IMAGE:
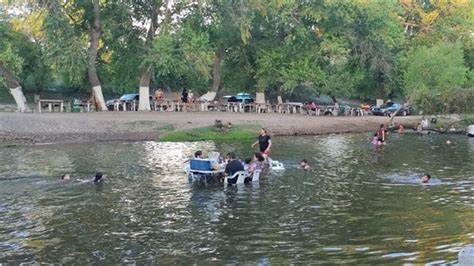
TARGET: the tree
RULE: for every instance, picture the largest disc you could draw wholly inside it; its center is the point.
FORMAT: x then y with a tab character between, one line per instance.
152	19
182	58
11	63
287	54
227	23
94	38
432	72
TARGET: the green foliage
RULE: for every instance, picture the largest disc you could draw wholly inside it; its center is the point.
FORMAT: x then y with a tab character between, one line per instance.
459	100
11	59
22	56
65	49
468	120
210	133
422	50
432	72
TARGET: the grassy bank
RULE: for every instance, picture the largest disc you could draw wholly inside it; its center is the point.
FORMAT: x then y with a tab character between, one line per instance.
210	133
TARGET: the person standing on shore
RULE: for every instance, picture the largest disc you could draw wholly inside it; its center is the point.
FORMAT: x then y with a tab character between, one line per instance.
184	98
159	95
265	142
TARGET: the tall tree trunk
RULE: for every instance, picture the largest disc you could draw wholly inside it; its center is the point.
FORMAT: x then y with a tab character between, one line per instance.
144	87
144	90
216	78
15	89
216	71
94	35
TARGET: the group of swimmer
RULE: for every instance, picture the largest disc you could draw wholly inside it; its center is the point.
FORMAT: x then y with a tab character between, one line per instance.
380	137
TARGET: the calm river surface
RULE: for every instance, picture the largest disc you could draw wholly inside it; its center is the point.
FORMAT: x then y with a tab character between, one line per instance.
359	204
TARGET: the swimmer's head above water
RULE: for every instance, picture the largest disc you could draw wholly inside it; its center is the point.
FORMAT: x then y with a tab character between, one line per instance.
98	177
425	178
304	165
65	177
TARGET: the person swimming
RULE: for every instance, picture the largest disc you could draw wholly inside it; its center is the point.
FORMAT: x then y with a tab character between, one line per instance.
304	165
425	178
65	177
401	129
98	177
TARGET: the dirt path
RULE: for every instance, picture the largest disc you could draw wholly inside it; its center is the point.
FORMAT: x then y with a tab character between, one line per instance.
108	126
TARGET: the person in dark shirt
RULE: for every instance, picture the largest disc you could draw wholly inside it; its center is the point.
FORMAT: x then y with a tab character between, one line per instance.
233	166
98	178
184	96
198	155
264	142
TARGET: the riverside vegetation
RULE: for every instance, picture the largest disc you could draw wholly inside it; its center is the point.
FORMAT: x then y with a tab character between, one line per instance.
420	51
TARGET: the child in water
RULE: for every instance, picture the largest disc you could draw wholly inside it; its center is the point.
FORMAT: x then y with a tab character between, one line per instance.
401	129
97	179
304	165
425	178
247	163
379	136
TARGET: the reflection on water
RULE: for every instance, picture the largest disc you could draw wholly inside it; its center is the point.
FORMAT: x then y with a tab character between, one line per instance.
358	204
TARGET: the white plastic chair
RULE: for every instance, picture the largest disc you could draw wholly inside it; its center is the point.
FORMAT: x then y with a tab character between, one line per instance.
275	165
213	156
256	175
240	177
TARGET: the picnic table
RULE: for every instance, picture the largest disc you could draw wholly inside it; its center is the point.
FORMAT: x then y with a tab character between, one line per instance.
295	107
290	107
50	104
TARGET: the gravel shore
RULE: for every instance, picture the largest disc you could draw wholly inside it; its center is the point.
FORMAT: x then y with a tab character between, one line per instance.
124	126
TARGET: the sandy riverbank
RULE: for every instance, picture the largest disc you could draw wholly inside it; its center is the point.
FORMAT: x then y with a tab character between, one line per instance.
111	126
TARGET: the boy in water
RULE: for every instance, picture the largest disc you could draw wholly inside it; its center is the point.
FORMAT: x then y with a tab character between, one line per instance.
304	165
425	178
98	178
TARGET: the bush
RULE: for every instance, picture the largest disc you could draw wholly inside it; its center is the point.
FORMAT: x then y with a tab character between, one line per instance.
210	133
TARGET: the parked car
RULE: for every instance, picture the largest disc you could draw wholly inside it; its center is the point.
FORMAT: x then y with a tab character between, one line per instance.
240	97
128	99
389	108
329	110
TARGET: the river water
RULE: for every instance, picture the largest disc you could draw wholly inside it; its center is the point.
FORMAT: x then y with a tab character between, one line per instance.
358	204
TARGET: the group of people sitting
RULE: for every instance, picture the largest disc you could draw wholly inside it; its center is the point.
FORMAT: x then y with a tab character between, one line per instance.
234	165
187	96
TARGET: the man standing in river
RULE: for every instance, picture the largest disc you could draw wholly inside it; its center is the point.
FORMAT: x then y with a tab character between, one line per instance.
264	142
